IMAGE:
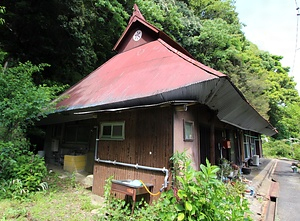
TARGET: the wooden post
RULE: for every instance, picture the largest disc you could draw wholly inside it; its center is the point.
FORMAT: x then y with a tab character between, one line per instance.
260	150
212	143
241	137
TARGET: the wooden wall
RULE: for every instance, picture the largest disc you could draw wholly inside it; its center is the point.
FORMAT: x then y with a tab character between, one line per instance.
192	147
148	142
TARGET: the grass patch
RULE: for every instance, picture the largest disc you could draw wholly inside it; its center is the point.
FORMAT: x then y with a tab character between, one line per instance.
64	200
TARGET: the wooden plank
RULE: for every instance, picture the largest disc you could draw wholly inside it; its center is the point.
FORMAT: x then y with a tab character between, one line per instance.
274	190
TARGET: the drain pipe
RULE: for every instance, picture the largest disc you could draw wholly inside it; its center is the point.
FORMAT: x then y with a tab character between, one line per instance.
136	166
96	142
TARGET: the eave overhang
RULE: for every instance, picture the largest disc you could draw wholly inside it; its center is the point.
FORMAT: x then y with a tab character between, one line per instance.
218	94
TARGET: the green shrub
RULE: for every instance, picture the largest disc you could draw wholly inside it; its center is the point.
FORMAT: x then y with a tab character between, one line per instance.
277	148
296	148
21	172
195	195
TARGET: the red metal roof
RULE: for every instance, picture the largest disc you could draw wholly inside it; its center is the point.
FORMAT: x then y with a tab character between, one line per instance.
141	72
158	70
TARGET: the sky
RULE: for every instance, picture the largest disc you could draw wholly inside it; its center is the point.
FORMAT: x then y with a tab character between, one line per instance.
272	26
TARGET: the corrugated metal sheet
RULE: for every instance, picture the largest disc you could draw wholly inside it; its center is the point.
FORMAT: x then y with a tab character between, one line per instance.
156	73
145	71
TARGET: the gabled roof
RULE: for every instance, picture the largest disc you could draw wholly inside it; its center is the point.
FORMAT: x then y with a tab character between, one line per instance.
149	70
154	72
136	21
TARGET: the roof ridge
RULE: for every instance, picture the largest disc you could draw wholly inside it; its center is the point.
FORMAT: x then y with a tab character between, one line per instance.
193	61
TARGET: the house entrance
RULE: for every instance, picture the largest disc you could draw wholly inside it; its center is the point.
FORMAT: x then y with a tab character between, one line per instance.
204	143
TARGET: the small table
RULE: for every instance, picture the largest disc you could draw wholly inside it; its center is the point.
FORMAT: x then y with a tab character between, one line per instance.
123	186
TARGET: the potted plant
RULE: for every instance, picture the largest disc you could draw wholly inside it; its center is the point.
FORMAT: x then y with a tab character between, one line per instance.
294	167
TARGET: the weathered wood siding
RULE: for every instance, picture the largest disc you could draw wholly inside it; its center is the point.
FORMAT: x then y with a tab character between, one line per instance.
148	142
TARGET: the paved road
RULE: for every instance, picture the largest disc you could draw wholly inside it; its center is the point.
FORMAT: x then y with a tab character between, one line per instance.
288	208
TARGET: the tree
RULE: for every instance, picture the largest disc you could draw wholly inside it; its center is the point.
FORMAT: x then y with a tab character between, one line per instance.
21	101
212	9
74	37
289	123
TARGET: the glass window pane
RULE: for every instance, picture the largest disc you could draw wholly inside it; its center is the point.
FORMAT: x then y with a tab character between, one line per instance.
188	130
106	130
117	131
112	131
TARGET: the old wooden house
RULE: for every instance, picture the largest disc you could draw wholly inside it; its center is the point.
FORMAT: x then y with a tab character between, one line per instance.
150	100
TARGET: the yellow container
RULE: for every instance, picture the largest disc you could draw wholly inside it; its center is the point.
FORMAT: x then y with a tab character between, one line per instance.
74	163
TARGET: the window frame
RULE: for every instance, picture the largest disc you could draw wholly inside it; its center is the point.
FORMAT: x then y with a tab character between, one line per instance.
111	124
188	135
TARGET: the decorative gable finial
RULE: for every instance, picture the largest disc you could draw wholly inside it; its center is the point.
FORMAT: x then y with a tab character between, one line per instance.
134	32
136	12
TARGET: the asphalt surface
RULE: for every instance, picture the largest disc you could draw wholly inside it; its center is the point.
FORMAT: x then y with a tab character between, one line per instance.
288	205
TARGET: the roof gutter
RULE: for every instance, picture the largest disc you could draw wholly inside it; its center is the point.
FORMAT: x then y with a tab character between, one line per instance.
177	102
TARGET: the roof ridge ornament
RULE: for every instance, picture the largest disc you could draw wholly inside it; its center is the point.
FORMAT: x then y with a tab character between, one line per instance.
137	12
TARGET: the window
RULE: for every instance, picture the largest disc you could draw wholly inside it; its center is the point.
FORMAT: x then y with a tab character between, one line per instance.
77	133
249	145
112	131
188	130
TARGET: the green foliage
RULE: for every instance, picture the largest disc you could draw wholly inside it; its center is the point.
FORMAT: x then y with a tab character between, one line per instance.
296	149
113	209
196	195
13	212
225	168
288	117
21	104
59	202
201	196
277	148
211	9
73	36
2	11
287	148
21	172
167	15
21	101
